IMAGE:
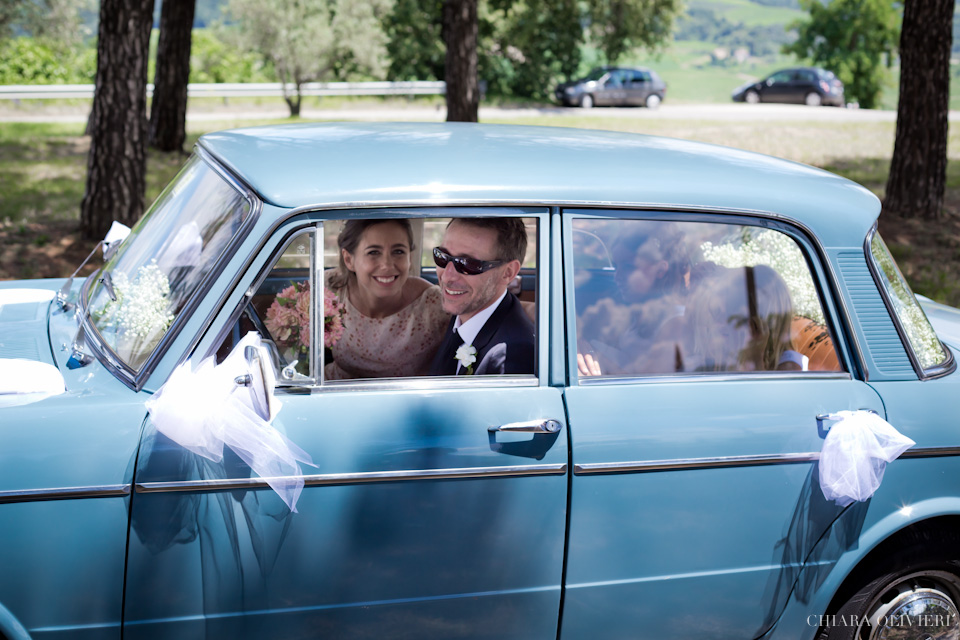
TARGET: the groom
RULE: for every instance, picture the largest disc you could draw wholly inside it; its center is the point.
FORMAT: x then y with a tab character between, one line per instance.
478	258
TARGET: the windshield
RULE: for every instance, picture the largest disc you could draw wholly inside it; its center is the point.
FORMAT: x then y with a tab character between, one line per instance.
161	265
596	74
920	334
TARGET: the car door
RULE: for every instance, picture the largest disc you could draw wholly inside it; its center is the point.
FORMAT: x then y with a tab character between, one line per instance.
695	496
612	91
637	88
423	517
780	87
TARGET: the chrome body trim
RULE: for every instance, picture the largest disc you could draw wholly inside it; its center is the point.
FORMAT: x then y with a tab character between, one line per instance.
949	365
683	464
429	383
337	479
64	493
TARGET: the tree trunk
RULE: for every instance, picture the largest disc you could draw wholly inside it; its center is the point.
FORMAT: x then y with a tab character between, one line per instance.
918	170
116	164
460	72
168	112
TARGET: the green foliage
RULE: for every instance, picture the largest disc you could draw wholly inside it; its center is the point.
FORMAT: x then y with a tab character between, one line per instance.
414	42
537	42
852	38
31	61
212	60
617	26
312	40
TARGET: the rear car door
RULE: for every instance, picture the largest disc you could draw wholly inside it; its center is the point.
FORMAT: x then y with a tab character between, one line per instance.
695	496
421	514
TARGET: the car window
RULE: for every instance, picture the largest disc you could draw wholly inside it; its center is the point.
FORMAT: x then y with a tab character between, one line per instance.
913	321
696	298
405	343
780	77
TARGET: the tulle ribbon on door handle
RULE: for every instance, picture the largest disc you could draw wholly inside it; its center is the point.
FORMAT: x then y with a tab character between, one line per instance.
855	454
205	408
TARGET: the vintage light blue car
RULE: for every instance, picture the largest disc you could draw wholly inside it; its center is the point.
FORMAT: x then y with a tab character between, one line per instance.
701	314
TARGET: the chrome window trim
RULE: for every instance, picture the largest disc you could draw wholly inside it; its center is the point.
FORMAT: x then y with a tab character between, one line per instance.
949	365
716	377
135	380
64	493
721	462
427	383
842	325
370	477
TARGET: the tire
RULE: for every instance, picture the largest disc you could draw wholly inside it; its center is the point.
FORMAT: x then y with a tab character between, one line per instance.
586	101
813	99
751	97
652	101
913	594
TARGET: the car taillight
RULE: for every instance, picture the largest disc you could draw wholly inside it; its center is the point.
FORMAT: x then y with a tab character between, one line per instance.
825	86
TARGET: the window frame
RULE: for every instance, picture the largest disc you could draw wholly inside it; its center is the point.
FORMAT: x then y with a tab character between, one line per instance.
836	315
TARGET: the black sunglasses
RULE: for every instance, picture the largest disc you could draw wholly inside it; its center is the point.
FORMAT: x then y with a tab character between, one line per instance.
466	266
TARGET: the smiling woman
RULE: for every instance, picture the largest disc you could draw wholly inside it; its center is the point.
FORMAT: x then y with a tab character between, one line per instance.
393	322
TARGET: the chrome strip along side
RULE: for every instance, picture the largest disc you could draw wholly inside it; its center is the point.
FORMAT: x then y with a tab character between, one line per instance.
332	479
64	493
686	464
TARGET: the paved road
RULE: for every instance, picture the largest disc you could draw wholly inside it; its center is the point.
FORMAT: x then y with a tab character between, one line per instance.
714	112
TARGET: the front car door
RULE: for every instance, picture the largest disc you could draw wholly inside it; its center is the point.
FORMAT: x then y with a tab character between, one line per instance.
695	496
417	517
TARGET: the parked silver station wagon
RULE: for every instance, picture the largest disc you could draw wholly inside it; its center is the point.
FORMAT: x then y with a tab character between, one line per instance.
705	322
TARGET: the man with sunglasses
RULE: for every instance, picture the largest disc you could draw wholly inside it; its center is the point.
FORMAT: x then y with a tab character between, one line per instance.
478	259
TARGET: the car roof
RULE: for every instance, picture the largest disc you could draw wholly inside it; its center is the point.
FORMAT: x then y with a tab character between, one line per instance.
349	164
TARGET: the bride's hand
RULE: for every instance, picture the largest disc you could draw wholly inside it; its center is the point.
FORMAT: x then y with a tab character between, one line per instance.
587	365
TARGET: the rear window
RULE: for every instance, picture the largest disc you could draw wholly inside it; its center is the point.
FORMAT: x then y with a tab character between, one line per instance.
913	321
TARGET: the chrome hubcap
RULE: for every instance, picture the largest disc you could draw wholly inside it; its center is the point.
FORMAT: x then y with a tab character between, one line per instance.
918	607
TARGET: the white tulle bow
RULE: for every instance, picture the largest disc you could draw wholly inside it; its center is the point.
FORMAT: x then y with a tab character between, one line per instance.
855	454
203	409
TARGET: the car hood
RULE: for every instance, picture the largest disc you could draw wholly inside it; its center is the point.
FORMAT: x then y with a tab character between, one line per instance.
945	320
24	306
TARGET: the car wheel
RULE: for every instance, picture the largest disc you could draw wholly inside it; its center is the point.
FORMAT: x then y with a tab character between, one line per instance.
752	97
653	101
586	101
813	99
914	594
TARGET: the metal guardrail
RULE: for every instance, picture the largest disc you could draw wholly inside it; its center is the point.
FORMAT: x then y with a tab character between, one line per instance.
240	89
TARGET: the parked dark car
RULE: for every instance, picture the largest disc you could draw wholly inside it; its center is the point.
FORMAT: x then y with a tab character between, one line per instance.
614	87
803	85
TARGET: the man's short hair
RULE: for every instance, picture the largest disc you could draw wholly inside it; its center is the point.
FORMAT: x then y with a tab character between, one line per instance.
511	235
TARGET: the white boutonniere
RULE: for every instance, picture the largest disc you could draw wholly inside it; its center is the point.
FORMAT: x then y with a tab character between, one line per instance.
467	355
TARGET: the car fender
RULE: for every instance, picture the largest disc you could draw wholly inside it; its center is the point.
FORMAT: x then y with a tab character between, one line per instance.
10	627
838	553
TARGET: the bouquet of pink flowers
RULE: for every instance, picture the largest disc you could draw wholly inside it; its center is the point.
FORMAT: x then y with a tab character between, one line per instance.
288	319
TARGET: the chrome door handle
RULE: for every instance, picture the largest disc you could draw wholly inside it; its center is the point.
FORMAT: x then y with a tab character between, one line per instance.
530	426
822	418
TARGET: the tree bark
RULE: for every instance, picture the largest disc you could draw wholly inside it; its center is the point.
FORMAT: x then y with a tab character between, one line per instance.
117	162
460	72
918	170
168	111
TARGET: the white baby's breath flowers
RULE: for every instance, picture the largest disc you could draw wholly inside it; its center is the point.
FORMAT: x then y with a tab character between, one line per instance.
467	355
141	307
779	252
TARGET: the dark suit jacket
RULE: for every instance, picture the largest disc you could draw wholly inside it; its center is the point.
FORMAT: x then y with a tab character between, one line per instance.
505	344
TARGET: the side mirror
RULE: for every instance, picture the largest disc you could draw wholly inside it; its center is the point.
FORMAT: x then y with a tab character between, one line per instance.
260	381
